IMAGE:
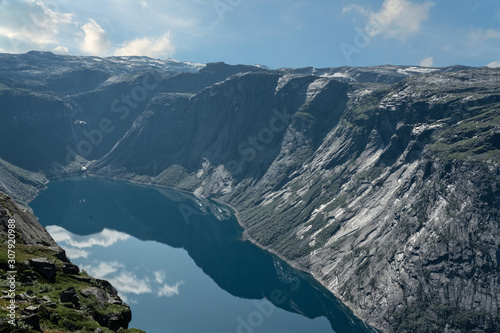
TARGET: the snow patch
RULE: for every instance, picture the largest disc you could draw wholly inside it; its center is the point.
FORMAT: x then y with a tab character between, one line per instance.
416	70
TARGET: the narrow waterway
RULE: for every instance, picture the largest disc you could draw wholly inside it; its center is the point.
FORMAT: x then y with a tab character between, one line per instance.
180	263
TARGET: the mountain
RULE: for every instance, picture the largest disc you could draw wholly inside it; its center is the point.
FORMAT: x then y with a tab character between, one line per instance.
380	181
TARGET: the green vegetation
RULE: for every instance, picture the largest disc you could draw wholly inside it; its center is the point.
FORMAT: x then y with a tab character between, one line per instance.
177	176
268	224
304	116
361	109
327	232
472	139
32	288
428	316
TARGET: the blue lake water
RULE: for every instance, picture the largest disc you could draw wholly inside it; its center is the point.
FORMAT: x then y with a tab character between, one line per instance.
180	264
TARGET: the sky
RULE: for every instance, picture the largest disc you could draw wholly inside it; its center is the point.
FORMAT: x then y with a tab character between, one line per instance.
275	33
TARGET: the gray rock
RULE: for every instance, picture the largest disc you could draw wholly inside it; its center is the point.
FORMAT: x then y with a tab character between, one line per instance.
27	227
32	320
385	181
100	295
69	268
114	321
45	267
70	296
30	310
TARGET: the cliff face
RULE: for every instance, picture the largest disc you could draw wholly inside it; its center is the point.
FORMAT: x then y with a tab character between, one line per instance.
381	181
50	292
386	193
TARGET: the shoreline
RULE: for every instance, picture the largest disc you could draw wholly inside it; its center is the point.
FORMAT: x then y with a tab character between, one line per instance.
244	237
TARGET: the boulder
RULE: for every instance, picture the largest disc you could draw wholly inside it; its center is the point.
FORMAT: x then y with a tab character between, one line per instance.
114	321
32	309
33	321
71	269
46	267
70	296
100	295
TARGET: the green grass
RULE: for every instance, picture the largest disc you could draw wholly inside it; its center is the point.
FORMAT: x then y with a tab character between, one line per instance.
61	318
177	176
304	116
470	139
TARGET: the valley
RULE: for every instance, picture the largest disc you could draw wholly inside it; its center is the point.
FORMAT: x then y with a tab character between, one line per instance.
381	182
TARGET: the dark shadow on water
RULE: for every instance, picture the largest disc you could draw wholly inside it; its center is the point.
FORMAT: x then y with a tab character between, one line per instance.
209	233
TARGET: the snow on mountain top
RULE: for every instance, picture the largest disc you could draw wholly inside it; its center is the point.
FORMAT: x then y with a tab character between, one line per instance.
416	70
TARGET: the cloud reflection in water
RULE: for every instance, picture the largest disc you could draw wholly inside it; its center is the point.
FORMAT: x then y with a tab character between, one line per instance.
122	276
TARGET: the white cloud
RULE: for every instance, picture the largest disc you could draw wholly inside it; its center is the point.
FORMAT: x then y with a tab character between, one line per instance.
155	48
73	253
396	18
427	62
166	290
103	269
105	238
61	49
494	64
290	15
128	283
159	276
481	35
124	281
95	41
169	291
356	8
43	25
28	24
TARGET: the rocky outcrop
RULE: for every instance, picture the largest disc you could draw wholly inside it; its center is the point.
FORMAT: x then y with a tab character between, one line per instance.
88	303
20	184
27	226
70	296
44	266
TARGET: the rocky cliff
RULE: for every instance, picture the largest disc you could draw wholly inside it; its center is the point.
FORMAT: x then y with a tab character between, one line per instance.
46	291
380	181
386	193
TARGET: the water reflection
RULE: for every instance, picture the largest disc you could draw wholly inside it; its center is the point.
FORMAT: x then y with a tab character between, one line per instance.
207	231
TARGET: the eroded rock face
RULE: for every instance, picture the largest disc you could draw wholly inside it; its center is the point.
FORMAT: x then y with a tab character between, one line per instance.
100	295
31	232
106	295
388	195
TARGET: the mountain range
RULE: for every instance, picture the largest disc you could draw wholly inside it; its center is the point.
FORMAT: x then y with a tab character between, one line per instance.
382	182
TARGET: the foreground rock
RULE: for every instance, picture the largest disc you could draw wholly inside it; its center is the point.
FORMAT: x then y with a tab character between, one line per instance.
42	269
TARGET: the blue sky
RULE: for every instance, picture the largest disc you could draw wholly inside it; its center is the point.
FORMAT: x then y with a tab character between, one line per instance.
276	33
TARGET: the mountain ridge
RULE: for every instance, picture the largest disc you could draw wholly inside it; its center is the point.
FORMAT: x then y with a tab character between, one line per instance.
357	175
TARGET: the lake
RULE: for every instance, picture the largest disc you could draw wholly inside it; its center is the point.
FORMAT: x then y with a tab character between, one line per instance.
180	263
